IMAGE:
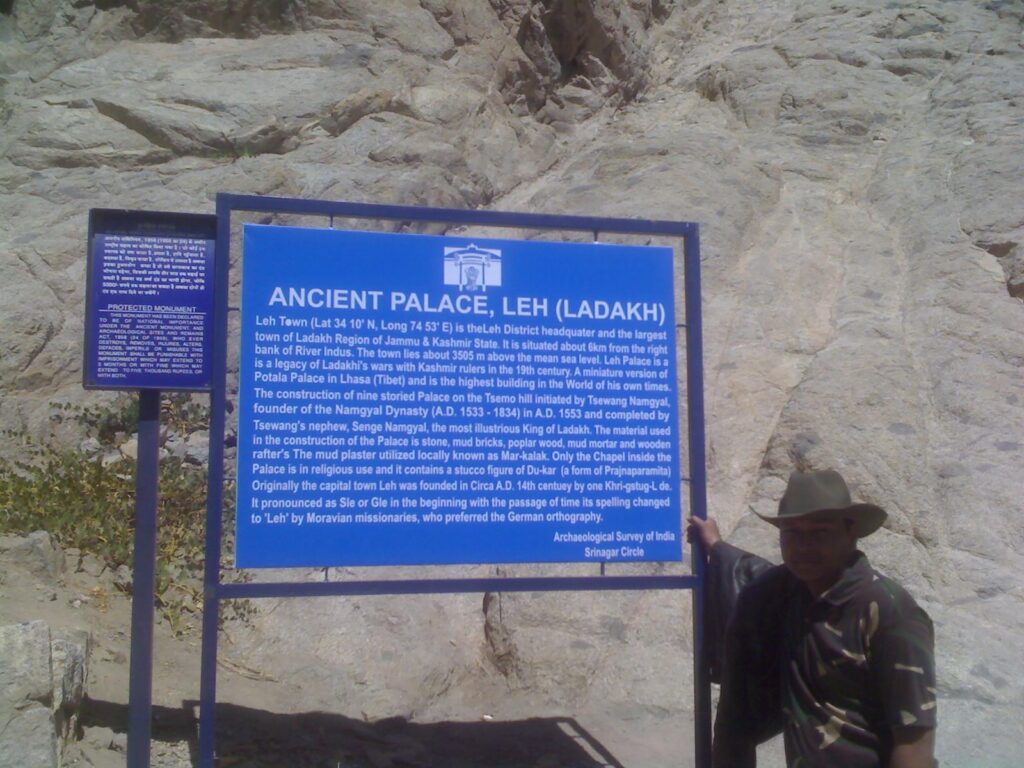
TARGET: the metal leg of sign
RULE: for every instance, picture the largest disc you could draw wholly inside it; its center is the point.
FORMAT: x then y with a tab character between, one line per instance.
698	492
208	682
211	621
140	675
701	676
214	495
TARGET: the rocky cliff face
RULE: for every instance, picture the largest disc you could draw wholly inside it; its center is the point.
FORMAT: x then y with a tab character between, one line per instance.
856	170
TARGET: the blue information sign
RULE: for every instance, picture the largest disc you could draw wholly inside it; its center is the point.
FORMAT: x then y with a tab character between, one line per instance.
407	399
149	301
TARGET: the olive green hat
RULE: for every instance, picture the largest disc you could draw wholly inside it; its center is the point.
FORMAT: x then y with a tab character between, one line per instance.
825	491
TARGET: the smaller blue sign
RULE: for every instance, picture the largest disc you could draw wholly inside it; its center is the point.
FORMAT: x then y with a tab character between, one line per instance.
149	303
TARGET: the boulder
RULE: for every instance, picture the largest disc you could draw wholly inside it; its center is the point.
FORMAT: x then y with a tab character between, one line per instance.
36	554
42	684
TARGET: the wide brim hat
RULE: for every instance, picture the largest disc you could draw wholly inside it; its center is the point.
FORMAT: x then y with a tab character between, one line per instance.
825	492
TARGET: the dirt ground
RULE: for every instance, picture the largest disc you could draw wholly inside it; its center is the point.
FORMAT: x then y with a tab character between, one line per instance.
261	720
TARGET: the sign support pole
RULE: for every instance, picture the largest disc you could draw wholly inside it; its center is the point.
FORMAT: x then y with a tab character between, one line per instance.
140	686
698	492
215	494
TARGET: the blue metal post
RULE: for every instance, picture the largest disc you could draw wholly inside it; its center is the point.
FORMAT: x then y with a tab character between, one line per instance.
479	217
258	589
140	674
698	491
215	493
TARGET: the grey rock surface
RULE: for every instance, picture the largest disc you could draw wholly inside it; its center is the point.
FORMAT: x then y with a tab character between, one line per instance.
29	736
855	167
35	554
70	652
27	675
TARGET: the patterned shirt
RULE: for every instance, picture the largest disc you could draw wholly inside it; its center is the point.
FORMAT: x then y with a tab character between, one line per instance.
837	672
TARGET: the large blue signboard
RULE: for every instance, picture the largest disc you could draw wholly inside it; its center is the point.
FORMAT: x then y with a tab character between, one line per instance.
408	399
149	300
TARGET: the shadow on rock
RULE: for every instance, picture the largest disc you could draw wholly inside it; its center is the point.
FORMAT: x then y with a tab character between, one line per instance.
252	738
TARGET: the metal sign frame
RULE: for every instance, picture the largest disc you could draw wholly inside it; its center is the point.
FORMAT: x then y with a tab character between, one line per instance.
215	590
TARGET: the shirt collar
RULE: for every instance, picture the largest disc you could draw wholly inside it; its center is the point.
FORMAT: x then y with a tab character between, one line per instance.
857	573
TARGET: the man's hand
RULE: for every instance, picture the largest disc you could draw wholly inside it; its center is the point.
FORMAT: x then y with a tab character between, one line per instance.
704	531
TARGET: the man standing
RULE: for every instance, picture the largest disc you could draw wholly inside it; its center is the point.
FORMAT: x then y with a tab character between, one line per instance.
823	648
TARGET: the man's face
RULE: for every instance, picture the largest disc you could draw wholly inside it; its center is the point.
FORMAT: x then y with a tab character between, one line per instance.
816	549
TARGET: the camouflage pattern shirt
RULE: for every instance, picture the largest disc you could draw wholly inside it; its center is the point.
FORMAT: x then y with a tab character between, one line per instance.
835	673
